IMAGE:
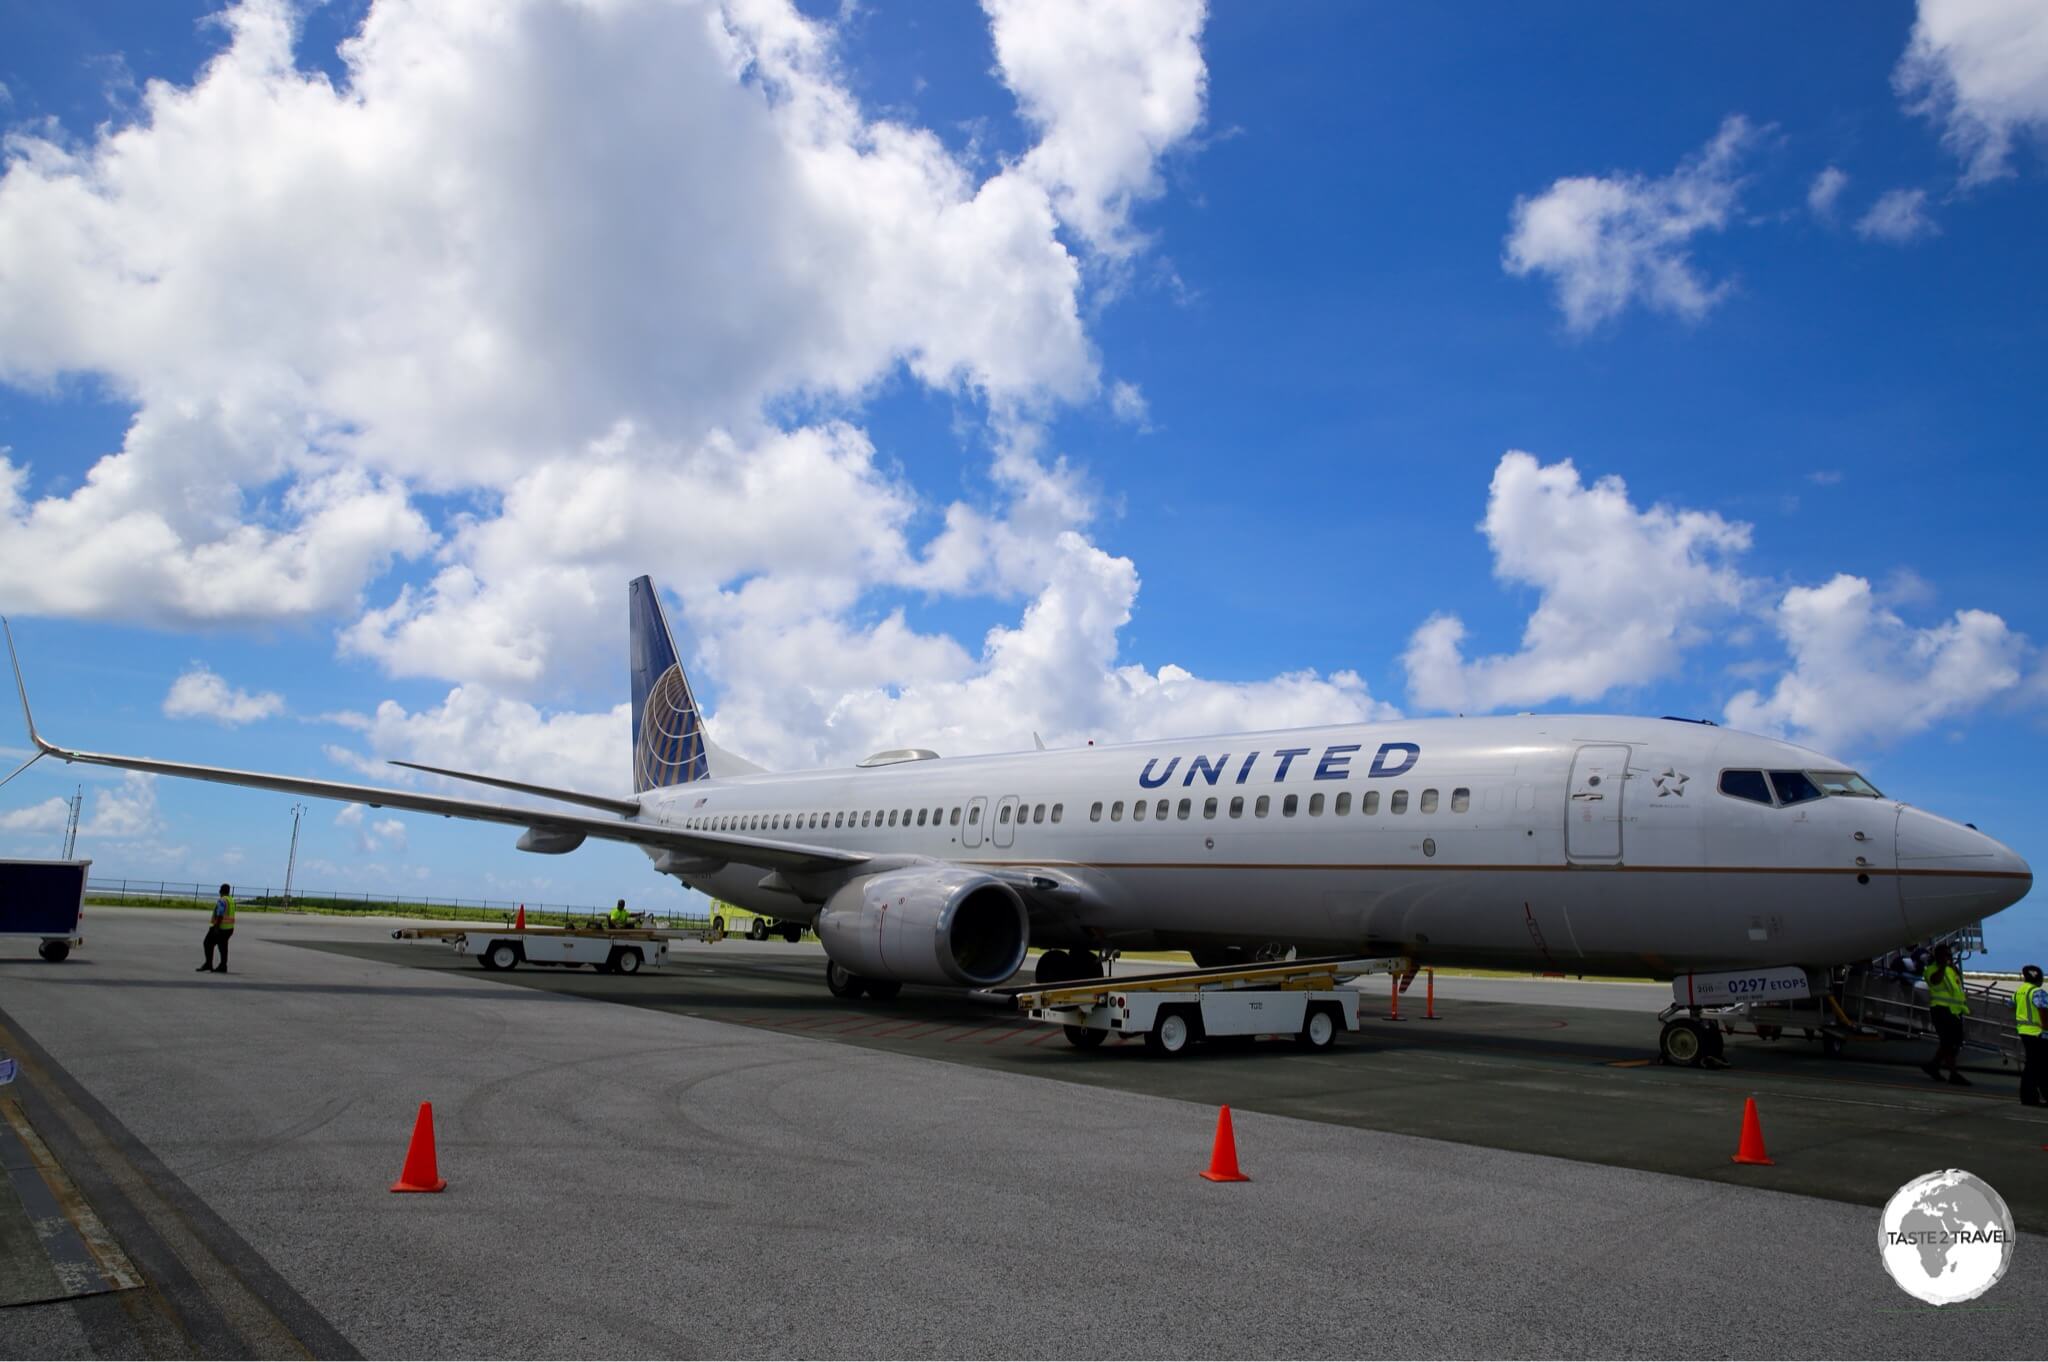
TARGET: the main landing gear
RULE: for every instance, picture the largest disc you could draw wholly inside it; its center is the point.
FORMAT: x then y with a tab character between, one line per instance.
846	984
1062	967
1693	1042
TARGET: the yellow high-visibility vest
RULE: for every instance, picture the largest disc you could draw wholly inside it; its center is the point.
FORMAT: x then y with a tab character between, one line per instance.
2025	1012
227	917
1945	989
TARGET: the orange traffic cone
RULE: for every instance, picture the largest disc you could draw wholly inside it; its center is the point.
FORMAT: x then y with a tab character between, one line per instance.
1751	1149
1223	1159
421	1172
519	924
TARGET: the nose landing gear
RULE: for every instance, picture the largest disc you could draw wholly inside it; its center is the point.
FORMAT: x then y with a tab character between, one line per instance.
1692	1042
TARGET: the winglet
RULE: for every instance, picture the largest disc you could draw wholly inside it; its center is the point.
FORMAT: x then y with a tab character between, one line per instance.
42	748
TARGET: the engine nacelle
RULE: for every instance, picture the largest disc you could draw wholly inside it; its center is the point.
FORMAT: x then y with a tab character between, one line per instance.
927	924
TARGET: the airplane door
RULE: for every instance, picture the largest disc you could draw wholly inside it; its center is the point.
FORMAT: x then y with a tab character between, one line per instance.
970	831
1592	830
1004	830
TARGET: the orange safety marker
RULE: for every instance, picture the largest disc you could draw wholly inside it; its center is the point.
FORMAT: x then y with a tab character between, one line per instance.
520	924
1429	997
1394	993
1223	1158
1751	1147
422	1173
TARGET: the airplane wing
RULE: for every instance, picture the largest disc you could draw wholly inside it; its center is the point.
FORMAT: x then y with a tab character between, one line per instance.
625	808
765	852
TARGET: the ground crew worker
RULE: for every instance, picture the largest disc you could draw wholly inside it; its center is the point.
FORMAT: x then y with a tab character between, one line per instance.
1947	1005
2030	1007
620	917
219	928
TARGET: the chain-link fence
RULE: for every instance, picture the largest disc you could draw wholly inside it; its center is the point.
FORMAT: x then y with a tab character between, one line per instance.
172	894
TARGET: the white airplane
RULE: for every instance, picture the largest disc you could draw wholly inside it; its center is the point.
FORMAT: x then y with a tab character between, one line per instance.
1590	844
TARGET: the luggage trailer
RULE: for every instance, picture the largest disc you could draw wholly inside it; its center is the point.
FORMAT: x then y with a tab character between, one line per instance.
1307	1000
607	950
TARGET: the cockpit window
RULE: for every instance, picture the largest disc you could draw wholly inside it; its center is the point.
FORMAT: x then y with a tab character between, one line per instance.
1794	788
1845	783
1746	785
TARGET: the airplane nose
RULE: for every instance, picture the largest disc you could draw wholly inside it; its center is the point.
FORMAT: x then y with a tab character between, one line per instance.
1951	875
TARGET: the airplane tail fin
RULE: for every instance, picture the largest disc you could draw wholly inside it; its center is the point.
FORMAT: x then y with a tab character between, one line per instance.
669	743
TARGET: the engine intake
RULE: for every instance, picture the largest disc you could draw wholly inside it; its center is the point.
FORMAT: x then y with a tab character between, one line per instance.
927	925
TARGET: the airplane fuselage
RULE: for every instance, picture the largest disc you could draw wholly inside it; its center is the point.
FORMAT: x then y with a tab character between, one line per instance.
1550	842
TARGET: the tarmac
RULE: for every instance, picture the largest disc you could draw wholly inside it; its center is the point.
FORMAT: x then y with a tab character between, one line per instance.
737	1164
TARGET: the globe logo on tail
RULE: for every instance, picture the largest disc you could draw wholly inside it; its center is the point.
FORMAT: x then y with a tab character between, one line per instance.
671	746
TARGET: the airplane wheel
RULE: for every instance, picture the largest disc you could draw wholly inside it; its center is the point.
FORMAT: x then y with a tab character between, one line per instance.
792	932
1084	1037
1054	967
842	983
1683	1042
882	990
1832	1046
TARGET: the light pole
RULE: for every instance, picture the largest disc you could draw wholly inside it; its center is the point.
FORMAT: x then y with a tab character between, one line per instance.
291	860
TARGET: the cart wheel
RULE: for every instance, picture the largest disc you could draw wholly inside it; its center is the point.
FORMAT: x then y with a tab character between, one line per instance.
1832	1046
1173	1034
627	961
882	990
503	955
717	926
1681	1043
53	951
1319	1031
1084	1037
842	983
1768	1032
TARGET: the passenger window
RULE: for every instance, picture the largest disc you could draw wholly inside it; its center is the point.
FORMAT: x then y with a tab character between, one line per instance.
1343	804
892	818
1138	811
1399	803
1159	812
1237	806
1038	814
954	817
838	820
1116	812
1429	801
1793	787
1746	785
974	815
1187	806
1263	807
1209	807
1289	805
1315	806
921	816
1004	815
1057	810
865	816
1095	812
1461	800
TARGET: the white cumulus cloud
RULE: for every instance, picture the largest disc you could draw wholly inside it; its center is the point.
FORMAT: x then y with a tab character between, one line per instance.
1623	591
1608	241
202	694
1826	188
1861	674
1979	68
1897	218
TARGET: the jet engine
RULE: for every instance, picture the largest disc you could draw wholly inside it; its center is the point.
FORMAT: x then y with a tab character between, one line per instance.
927	924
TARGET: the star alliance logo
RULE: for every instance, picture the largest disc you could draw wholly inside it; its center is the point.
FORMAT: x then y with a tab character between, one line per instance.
1672	782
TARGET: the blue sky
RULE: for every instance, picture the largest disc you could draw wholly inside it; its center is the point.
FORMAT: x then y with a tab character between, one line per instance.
966	373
